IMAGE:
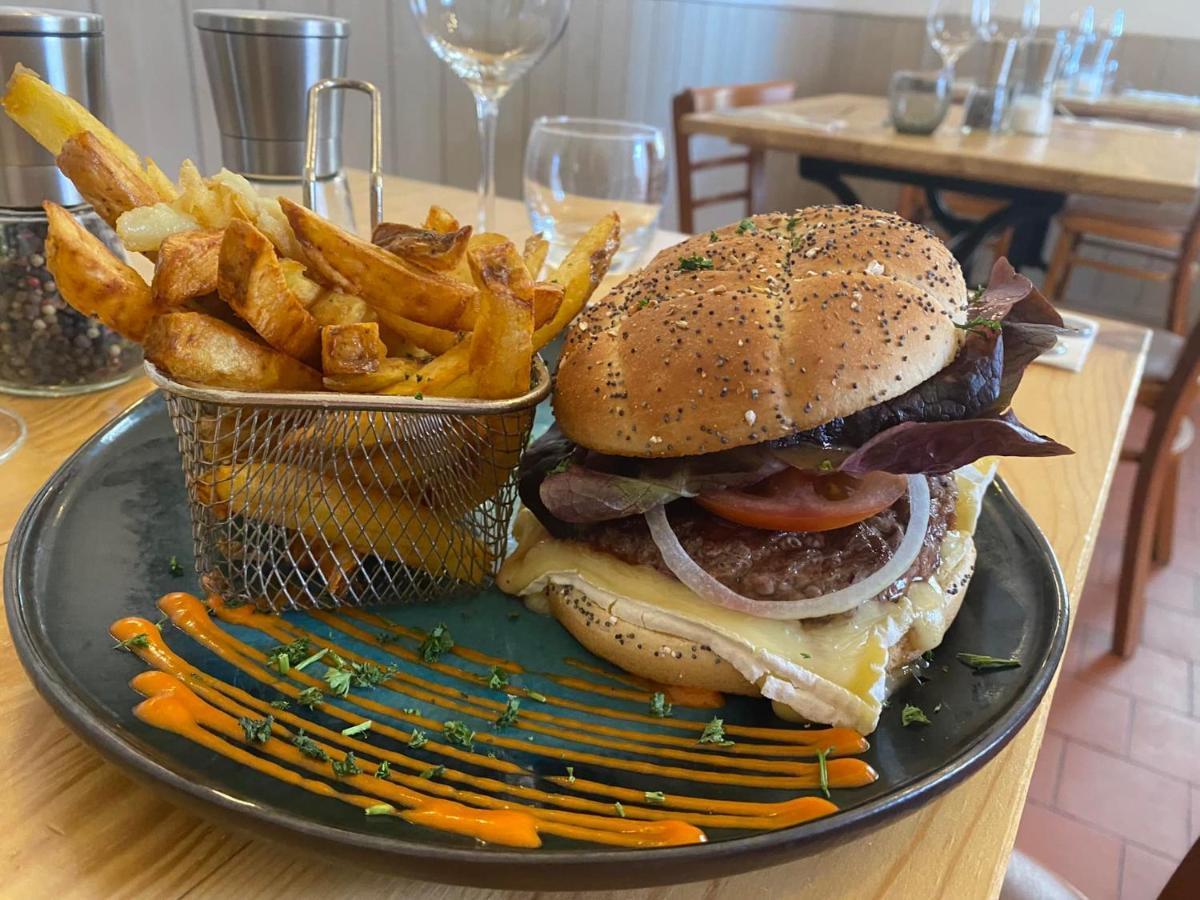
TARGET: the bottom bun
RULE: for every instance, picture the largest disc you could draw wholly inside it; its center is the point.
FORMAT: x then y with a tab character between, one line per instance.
673	660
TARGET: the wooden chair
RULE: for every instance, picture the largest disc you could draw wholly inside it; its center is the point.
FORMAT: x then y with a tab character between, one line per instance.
1165	233
706	100
1169	388
913	207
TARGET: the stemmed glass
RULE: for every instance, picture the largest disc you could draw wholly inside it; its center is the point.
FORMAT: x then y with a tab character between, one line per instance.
953	26
1012	19
490	44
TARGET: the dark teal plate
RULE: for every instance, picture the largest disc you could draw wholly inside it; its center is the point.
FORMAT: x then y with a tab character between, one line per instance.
95	546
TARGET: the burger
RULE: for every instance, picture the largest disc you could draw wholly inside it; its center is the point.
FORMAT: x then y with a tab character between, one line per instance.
770	454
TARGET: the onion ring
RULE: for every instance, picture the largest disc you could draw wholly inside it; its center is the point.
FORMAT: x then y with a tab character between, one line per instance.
688	571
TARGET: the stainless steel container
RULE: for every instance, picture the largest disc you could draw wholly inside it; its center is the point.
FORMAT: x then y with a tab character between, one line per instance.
261	65
67	50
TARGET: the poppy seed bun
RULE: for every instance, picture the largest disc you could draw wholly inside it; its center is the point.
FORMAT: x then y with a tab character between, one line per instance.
670	659
801	319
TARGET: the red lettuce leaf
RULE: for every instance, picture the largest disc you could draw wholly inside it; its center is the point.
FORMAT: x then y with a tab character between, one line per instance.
934	448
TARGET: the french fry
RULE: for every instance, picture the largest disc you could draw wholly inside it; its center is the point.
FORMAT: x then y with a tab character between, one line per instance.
439	219
383	280
391	370
52	118
186	267
336	308
337	511
144	228
580	274
436	250
251	281
193	347
436	374
502	343
337	564
104	180
304	288
547	298
93	280
536	248
426	337
351	349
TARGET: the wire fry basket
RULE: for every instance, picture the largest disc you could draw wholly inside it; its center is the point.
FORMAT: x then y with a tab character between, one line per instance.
315	500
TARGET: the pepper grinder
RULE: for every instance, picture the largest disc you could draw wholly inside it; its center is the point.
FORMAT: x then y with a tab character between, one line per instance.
260	66
46	347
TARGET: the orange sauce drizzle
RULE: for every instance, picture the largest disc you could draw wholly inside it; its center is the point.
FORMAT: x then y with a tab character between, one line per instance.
185	700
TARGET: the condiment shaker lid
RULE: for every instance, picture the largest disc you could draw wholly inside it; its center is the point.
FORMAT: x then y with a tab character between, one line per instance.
66	48
260	66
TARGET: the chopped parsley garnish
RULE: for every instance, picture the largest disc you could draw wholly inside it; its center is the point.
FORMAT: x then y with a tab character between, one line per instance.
347	766
619	808
380	809
360	728
658	798
570	774
283	656
257	731
792	222
913	715
417	739
310	697
927	656
418	396
746	225
368	674
804	655
509	716
499	679
437	642
305	663
980	662
141	639
714	733
174	567
384	770
694	263
823	770
308	747
280	704
712	237
459	734
534	695
643	303
338	681
435	772
659	705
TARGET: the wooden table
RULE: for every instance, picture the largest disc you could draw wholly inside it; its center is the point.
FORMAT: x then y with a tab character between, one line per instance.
839	135
1135	107
75	826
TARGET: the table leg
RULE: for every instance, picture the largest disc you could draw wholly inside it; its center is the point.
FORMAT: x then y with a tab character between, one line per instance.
830	178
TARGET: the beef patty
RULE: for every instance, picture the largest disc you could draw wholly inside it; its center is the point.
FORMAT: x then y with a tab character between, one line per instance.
786	565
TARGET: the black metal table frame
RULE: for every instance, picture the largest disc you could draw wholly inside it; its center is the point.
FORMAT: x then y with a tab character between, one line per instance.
1028	211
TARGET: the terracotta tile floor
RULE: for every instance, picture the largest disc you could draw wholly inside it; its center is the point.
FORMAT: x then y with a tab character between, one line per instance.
1115	798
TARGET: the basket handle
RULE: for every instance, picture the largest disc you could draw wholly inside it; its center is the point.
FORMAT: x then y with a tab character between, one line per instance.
310	143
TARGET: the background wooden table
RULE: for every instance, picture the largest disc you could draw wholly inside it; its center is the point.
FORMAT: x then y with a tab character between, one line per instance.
74	826
1078	157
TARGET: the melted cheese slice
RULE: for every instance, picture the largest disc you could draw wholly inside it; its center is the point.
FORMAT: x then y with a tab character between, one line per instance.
830	670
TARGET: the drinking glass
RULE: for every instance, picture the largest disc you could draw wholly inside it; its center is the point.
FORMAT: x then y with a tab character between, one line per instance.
1012	19
576	170
490	44
12	433
918	101
954	25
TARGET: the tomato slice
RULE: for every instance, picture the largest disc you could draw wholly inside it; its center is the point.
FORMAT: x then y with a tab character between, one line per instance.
795	500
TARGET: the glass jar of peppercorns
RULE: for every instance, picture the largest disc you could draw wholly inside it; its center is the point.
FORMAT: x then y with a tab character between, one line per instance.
46	347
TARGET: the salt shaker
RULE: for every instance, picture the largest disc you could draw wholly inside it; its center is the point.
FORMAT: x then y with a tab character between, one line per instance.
1033	106
46	347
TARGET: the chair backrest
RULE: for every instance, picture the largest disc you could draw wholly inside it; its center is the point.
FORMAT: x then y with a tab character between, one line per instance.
708	99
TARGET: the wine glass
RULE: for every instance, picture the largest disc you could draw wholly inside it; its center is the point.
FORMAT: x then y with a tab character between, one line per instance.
490	44
1012	19
954	25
